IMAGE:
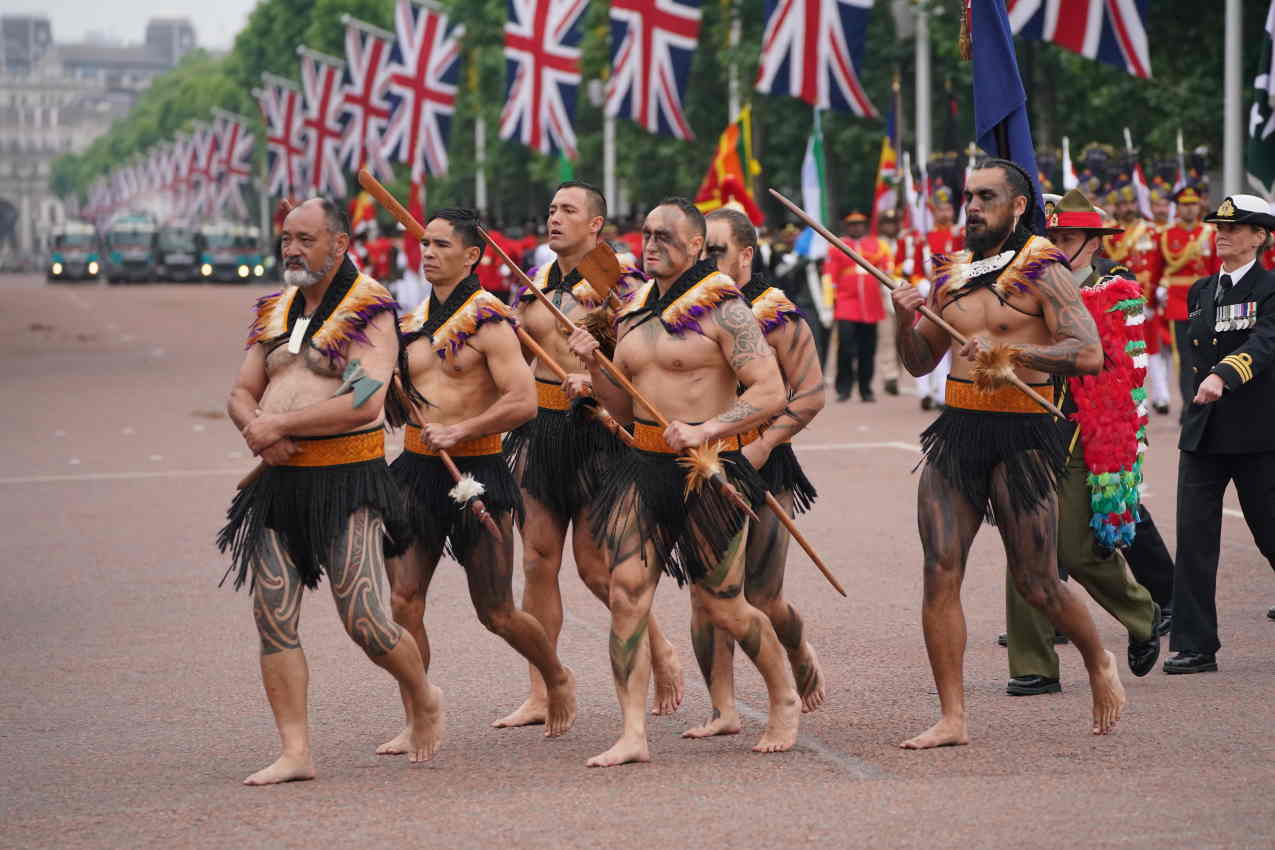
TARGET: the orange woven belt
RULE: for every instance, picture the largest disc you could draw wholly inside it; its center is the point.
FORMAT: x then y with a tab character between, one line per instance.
650	438
414	442
550	396
1009	399
334	451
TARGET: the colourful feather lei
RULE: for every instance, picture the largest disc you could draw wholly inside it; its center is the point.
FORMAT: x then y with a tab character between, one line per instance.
1112	412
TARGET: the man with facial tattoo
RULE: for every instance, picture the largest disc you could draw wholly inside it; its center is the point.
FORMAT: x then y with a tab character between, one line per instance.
309	400
463	371
993	453
732	241
561	455
686	340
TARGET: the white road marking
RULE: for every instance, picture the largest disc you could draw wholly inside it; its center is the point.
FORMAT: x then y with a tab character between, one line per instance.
197	427
156	457
127	430
117	476
75	461
1233	512
838	447
59	433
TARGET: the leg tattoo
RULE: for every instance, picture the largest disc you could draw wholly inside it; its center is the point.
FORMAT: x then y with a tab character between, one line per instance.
359	585
624	652
276	597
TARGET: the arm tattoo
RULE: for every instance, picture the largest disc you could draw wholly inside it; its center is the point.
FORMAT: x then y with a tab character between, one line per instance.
1074	327
740	411
915	352
737	320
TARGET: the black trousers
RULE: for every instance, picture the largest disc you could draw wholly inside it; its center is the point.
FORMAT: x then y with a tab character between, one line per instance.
1202	480
1150	562
1186	378
856	356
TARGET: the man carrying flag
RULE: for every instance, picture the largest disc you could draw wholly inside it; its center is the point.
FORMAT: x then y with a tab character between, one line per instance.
992	453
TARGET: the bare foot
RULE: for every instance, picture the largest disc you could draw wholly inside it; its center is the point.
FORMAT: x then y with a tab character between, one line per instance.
286	769
945	733
562	706
720	724
666	669
781	726
427	726
809	677
1108	695
625	751
399	744
530	713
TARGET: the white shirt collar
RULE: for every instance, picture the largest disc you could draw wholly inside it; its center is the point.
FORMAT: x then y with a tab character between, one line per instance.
1237	275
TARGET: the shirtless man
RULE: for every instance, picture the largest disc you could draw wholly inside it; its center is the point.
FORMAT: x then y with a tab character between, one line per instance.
469	382
993	453
732	241
560	456
326	449
686	340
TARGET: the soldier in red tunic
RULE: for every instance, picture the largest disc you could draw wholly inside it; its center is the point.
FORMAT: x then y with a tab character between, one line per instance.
859	306
1189	252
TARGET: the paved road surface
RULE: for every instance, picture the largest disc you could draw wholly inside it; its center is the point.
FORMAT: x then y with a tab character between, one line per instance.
132	707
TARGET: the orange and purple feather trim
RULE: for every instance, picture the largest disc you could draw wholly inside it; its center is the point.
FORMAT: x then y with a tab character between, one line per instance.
773	309
481	307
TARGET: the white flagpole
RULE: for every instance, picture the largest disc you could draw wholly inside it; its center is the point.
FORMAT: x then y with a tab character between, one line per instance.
732	97
480	173
608	160
923	131
1232	126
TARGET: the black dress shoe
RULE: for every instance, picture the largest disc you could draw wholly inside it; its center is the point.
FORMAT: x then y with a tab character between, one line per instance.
869	397
1270	615
1002	639
1143	653
1030	686
1191	662
926	402
891	386
1166	622
843	396
1162	409
1060	639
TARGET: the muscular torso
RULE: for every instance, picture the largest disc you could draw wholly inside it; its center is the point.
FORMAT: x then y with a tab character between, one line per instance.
544	329
457	387
982	314
298	380
686	377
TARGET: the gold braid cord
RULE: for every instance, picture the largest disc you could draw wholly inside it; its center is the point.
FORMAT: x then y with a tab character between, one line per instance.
994	368
1174	262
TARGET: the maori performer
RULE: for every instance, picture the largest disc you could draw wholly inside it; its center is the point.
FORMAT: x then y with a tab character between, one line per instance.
463	370
686	340
562	454
324	502
992	454
732	241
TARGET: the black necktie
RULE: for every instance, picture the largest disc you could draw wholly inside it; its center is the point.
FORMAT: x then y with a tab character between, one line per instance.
1226	283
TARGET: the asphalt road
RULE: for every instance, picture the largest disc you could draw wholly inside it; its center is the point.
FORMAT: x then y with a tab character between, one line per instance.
131	705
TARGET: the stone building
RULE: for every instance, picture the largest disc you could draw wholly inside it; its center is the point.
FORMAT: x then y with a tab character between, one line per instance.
56	99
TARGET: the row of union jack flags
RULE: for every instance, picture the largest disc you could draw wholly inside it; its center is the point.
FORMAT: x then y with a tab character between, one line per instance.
197	174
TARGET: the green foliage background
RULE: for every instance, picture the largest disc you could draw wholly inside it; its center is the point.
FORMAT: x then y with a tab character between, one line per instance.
1069	95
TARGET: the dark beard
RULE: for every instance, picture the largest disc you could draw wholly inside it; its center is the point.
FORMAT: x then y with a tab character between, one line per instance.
983	243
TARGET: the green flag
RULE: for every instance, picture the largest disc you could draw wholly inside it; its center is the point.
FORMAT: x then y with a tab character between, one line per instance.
566	168
1259	159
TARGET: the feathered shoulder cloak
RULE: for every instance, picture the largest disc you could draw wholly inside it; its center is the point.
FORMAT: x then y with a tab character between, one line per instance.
352	301
695	294
549	277
450	324
772	308
1015	270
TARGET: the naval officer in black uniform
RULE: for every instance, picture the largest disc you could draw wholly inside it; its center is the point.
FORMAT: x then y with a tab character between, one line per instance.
1228	433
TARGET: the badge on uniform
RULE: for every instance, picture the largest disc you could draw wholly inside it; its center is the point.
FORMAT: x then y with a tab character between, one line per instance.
1236	317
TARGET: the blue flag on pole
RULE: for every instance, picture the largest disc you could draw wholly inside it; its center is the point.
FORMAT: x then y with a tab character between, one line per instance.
1000	102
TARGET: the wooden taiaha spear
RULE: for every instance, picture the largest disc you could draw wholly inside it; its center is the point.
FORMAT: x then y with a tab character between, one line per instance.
889	284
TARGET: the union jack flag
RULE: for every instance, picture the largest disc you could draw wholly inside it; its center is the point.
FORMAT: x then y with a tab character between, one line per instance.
321	82
810	49
1110	31
234	156
203	168
283	110
652	42
422	84
365	102
542	73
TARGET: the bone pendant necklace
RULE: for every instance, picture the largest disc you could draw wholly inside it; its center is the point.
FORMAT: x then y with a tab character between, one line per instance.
298	334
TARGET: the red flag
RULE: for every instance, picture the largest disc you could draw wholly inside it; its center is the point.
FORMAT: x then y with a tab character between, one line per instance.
411	247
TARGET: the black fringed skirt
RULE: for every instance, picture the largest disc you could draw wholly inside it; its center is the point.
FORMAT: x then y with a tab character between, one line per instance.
309	506
781	472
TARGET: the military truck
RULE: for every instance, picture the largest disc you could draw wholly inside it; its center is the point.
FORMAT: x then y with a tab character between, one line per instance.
178	256
73	253
129	248
230	253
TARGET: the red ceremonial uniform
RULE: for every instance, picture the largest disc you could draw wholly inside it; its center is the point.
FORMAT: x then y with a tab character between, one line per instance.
1188	255
945	240
380	255
1138	249
1268	258
858	294
491	271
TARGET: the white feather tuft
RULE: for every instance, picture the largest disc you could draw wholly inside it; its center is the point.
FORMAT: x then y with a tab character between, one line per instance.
466	490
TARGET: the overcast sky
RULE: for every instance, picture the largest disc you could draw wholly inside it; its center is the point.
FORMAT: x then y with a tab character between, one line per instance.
124	21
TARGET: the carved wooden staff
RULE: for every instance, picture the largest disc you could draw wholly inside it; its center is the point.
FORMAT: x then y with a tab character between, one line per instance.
889	284
623	382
